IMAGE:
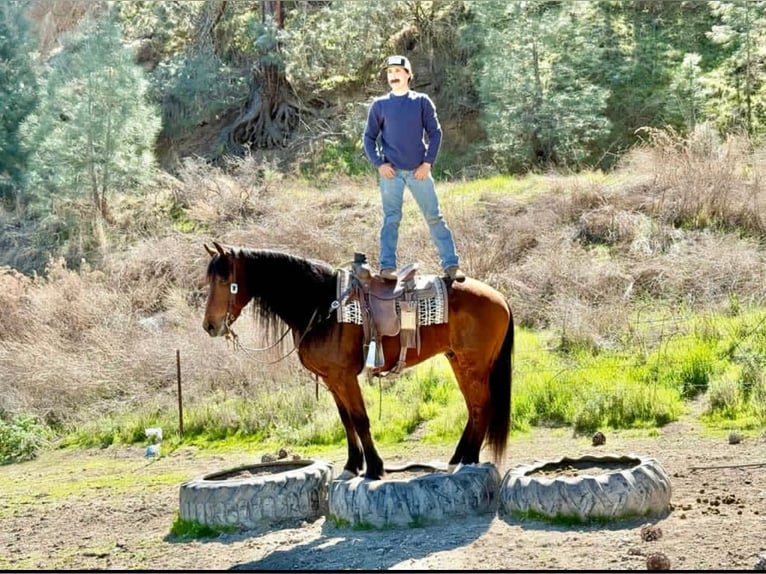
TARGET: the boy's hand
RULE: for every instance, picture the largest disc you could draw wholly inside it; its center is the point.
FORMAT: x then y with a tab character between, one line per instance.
422	171
386	170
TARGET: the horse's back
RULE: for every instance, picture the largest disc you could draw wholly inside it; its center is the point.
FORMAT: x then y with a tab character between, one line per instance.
478	314
477	298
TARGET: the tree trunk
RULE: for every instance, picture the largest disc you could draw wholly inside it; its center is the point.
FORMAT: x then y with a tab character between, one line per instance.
268	117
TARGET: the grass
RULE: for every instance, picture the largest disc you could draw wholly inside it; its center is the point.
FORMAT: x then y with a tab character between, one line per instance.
115	476
577	388
191	529
364	526
622	313
570	520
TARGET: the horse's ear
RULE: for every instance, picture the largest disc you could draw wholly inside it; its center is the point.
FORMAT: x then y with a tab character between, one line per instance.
210	251
219	248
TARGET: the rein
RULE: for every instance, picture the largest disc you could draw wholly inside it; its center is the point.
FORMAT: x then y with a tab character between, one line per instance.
234	338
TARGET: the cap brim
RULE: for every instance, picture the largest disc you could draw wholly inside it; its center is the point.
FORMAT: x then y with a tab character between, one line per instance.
386	67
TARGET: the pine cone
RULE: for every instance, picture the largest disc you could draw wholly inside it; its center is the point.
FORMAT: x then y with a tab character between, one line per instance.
599	439
657	561
649	532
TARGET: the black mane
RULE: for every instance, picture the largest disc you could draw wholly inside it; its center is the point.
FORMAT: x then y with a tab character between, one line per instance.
285	288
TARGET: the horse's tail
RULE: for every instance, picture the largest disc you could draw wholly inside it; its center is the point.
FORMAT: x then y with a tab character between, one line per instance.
500	379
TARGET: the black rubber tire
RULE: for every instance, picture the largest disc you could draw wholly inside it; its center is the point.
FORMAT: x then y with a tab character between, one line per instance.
641	488
273	492
469	490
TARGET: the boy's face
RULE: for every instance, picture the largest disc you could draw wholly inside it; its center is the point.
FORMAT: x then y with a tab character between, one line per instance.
397	78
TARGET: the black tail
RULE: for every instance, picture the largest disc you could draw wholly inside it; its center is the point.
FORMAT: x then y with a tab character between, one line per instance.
500	382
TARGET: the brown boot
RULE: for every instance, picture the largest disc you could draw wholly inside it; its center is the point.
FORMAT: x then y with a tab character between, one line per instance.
388	273
455	273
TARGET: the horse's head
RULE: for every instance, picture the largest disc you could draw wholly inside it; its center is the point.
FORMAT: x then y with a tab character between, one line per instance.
227	294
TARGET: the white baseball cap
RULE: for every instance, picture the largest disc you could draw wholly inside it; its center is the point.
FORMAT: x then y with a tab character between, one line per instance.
400	61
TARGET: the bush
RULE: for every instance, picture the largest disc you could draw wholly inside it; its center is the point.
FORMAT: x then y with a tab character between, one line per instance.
21	437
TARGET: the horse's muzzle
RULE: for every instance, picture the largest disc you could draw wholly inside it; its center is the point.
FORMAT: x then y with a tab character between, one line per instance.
214	330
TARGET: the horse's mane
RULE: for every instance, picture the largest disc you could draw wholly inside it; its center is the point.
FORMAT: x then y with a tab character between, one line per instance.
286	289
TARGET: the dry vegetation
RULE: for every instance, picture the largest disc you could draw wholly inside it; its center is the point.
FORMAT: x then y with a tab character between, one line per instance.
680	224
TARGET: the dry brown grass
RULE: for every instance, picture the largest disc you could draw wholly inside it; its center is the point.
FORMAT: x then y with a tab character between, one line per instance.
701	181
679	225
56	17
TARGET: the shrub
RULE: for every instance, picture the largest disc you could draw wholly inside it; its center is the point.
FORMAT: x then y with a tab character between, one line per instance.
21	437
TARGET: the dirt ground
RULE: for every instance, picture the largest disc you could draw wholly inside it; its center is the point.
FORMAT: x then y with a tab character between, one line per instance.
113	509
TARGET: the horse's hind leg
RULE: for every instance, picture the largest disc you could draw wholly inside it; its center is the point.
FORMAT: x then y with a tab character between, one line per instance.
467	451
355	461
474	387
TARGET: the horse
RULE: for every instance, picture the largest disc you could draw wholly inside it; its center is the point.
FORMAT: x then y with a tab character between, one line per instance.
300	295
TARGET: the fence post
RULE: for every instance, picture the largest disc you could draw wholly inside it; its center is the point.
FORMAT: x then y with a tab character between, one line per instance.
180	400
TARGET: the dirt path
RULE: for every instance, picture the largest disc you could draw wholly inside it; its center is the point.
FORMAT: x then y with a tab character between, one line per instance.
112	509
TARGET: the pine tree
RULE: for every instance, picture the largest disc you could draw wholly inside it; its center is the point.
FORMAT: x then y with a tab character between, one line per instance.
94	132
541	106
737	98
18	97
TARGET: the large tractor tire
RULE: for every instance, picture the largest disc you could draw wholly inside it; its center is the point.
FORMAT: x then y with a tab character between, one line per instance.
250	496
587	489
431	497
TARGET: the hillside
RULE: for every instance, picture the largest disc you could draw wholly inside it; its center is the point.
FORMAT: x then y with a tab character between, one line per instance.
584	259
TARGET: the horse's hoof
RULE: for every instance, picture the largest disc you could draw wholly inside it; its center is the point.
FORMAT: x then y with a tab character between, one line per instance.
374	475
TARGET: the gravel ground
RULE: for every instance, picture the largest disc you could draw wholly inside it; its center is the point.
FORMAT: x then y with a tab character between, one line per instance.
113	509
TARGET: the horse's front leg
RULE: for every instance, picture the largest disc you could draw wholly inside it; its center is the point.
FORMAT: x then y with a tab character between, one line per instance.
355	461
350	395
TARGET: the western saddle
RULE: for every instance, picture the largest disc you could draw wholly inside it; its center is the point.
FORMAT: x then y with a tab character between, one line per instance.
390	307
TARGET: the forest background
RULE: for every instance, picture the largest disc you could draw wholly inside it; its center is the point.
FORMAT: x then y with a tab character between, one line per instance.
601	166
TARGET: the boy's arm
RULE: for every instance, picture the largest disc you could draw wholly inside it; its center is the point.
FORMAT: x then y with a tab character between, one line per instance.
433	130
370	138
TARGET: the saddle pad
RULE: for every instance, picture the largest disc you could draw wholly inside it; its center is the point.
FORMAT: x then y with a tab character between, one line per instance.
431	310
348	312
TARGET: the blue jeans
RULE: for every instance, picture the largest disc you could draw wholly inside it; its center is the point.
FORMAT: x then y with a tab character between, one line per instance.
424	192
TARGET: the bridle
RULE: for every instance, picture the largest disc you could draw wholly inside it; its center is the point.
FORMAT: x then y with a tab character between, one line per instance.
229	318
232	337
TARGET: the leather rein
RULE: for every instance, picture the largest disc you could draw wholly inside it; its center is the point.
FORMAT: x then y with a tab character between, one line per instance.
234	338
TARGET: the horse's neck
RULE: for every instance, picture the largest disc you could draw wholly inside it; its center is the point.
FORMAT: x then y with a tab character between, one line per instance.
291	295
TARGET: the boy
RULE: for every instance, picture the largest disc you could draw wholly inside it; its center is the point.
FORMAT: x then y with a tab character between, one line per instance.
400	119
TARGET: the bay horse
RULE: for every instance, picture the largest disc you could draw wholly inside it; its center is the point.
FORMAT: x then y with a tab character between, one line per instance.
301	294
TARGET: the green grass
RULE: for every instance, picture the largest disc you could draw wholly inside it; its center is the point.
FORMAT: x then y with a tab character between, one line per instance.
21	436
191	529
362	525
570	520
643	384
521	188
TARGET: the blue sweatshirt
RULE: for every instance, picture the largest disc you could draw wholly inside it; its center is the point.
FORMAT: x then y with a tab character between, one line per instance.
401	123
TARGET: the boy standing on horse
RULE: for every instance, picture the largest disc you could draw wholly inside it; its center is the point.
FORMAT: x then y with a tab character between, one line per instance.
400	119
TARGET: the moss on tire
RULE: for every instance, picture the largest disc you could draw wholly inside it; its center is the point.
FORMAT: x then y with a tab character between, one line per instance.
632	486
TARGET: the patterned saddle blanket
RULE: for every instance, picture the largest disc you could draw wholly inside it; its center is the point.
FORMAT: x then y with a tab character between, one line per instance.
420	301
